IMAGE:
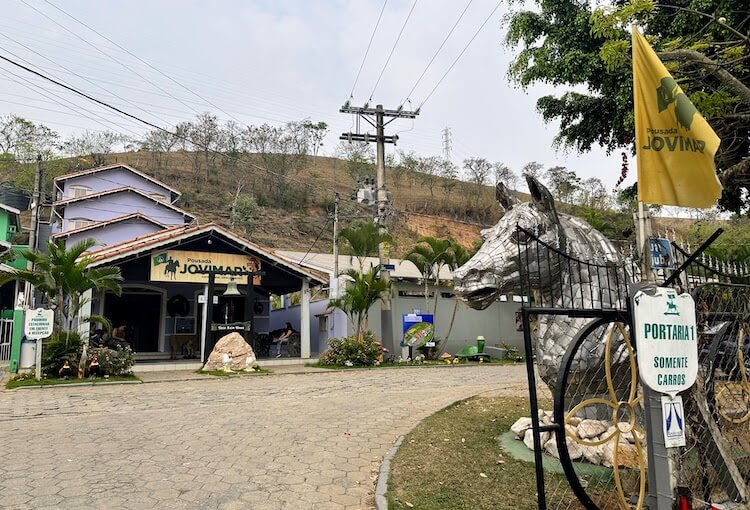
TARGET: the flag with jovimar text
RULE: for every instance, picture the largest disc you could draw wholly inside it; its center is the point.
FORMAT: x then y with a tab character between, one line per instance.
675	146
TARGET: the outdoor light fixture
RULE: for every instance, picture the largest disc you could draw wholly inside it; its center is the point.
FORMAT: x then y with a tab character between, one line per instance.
232	289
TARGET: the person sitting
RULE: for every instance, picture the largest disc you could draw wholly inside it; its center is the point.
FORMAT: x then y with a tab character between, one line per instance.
118	337
65	371
94	368
283	338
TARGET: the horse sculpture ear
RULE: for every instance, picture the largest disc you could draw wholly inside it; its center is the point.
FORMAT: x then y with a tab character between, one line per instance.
505	197
541	198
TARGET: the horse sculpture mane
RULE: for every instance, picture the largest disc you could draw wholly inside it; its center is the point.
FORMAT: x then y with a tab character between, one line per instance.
510	263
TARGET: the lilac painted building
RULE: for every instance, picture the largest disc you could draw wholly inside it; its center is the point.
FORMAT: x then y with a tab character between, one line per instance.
112	204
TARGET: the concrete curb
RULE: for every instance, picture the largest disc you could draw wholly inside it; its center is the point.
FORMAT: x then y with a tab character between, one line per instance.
381	503
72	385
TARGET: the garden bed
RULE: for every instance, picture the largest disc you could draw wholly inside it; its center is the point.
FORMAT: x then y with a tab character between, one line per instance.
30	381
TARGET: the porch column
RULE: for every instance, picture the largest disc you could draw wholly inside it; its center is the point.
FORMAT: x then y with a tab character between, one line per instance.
304	326
84	326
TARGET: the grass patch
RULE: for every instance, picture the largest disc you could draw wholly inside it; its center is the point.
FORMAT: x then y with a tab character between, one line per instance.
30	381
222	373
453	460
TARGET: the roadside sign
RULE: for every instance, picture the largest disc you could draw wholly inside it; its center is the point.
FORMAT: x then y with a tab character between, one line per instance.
38	323
417	329
666	340
661	253
673	421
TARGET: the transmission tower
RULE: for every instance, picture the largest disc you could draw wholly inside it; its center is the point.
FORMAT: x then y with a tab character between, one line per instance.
447	143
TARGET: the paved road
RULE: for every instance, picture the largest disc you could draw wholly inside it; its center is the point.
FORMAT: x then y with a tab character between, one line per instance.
308	441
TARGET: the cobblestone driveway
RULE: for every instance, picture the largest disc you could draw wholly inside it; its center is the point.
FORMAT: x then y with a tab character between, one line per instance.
312	441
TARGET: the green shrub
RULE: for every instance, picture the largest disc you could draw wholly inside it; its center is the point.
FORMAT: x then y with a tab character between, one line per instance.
353	352
59	347
117	361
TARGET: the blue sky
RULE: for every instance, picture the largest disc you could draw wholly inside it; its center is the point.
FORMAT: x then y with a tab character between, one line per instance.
276	61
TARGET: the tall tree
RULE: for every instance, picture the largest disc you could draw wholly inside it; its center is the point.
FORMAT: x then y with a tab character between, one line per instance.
456	257
363	290
362	240
95	144
63	276
23	139
504	174
316	133
563	183
585	45
430	254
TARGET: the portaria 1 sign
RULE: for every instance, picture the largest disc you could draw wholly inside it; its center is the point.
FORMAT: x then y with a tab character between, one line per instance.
666	339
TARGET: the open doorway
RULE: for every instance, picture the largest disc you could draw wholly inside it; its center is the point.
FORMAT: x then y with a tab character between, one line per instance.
139	310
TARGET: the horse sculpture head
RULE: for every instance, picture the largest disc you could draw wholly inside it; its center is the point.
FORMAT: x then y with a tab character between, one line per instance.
507	260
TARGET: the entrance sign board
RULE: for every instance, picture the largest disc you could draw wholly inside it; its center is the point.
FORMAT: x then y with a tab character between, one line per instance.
666	340
673	421
191	266
232	326
38	323
661	253
418	329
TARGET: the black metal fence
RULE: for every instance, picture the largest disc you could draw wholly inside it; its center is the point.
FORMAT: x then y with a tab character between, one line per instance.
597	425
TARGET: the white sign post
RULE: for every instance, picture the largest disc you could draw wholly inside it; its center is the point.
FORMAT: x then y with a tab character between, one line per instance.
667	346
38	325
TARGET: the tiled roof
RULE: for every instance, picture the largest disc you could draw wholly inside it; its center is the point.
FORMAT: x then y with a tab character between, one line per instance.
135	215
10	209
148	242
112	167
124	189
325	262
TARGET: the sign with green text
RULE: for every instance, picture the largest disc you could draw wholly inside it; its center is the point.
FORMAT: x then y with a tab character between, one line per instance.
666	340
38	323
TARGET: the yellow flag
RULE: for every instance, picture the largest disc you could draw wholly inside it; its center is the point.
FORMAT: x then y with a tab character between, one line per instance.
675	146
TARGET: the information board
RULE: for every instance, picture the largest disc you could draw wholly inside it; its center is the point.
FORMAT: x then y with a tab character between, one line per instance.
38	323
666	340
418	329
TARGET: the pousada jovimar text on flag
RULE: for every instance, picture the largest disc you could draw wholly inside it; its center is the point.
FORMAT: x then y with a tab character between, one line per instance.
675	146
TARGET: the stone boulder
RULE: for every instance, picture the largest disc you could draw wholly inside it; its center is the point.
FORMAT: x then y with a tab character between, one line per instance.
231	352
591	428
520	427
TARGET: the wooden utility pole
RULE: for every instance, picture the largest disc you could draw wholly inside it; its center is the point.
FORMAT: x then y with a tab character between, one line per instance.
376	118
36	199
335	288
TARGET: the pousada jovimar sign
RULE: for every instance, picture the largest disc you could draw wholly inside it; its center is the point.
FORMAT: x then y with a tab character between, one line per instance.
666	340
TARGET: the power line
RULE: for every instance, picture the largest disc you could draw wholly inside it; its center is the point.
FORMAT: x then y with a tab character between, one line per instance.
144	62
63	102
155	126
459	56
351	95
408	96
110	56
73	72
393	48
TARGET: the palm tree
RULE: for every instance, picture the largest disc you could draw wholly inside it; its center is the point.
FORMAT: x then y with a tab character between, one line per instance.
457	256
430	255
63	276
363	291
363	239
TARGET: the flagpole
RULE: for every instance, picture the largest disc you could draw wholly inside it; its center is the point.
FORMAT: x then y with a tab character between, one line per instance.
644	232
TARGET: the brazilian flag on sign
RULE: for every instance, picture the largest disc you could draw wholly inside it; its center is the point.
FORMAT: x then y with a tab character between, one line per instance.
160	259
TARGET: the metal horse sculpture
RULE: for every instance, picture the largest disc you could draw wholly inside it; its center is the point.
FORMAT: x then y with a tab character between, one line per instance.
510	263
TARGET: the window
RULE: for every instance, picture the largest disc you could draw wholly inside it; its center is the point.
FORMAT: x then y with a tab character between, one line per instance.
80	223
78	191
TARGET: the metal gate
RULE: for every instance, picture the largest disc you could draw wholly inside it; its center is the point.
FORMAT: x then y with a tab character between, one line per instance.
6	336
582	320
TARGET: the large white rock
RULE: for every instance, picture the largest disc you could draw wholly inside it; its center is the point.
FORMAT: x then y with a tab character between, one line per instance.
591	428
231	352
520	427
627	455
593	454
528	438
574	449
